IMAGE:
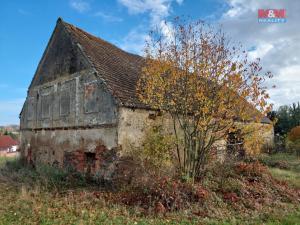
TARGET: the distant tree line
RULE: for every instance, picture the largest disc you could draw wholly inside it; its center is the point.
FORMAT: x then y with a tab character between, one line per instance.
287	116
9	133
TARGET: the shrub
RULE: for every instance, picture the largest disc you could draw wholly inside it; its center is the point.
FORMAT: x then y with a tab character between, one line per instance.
293	146
230	185
253	170
293	141
294	134
156	151
254	138
164	194
46	176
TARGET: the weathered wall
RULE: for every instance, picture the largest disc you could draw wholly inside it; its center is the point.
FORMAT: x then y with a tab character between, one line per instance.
134	122
61	58
72	147
69	117
77	100
66	119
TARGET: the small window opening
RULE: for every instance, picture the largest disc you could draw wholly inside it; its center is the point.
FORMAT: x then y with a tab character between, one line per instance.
90	162
235	144
90	157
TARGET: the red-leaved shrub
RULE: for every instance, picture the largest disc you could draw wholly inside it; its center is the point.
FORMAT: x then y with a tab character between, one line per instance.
294	134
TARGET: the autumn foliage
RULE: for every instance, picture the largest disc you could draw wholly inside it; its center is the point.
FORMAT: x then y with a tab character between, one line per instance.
294	134
205	83
293	141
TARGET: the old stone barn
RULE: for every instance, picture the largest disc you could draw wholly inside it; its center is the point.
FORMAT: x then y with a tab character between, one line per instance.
82	109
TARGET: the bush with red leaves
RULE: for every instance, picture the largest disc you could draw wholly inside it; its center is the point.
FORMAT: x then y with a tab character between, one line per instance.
164	195
254	169
230	197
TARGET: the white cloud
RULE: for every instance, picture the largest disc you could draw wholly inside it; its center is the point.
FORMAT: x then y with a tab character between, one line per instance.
278	45
261	50
288	84
158	11
80	5
108	17
166	29
134	41
157	7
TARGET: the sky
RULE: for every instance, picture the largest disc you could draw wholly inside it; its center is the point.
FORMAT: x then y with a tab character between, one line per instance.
26	26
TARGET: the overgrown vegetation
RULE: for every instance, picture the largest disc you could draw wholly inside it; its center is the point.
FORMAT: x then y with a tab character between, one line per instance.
155	155
231	193
205	83
284	167
287	128
43	176
293	141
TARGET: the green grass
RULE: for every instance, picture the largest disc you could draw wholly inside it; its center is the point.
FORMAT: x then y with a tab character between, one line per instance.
22	206
33	199
284	167
289	176
2	161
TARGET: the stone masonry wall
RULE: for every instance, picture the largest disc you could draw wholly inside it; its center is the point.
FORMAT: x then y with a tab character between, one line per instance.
134	122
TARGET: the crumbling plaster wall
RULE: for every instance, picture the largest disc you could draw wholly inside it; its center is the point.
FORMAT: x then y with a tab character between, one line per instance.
76	100
134	122
66	119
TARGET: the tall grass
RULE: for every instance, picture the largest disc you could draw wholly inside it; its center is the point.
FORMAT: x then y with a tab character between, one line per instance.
284	166
47	177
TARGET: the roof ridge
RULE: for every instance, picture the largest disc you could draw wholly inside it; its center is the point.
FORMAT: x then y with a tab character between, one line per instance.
94	36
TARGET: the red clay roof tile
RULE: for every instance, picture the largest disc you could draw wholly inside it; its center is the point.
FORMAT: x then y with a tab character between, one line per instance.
7	141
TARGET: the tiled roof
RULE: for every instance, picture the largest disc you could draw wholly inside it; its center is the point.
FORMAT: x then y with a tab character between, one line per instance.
6	141
120	70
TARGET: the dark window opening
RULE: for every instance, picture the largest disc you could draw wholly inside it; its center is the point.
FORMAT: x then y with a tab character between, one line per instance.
90	158
235	144
152	116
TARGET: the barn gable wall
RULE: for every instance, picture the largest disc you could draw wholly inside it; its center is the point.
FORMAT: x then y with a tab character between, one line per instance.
62	57
68	114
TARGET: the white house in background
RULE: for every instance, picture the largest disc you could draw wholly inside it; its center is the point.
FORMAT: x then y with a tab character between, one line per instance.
8	145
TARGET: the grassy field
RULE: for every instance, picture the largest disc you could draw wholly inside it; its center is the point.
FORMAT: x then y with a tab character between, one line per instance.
46	201
284	167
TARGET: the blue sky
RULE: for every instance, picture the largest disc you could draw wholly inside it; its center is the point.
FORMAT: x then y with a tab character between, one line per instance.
26	26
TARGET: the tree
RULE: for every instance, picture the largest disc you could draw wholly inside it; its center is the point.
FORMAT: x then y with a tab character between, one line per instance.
293	140
205	83
287	117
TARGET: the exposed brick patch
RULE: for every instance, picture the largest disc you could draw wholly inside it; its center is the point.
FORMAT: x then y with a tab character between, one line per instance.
75	160
91	163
